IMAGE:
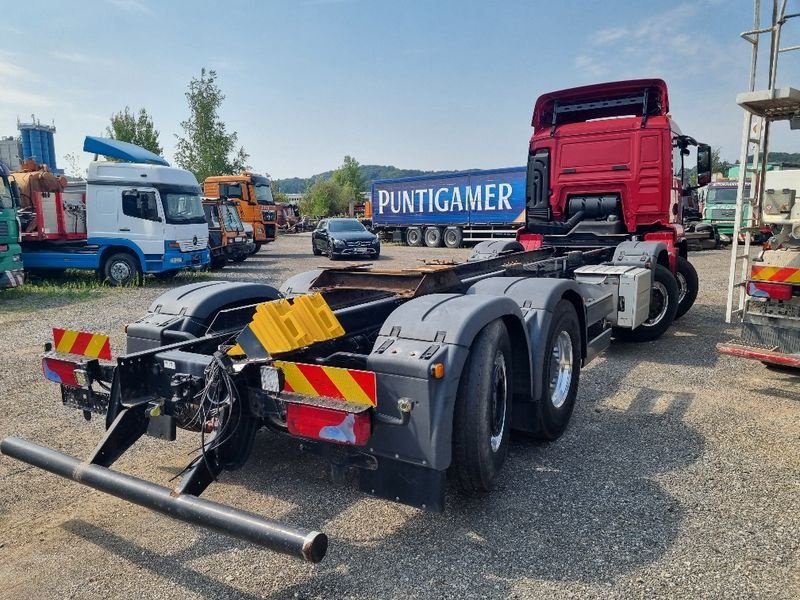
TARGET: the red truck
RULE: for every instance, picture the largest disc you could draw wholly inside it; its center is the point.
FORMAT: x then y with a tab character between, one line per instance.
606	165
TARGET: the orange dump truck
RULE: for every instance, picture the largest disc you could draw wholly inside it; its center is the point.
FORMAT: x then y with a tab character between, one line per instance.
252	195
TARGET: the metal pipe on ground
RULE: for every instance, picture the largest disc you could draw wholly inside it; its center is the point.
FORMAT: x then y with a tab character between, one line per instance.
309	545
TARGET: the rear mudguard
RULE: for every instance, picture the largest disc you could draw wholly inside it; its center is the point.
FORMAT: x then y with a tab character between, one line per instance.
185	312
437	328
537	298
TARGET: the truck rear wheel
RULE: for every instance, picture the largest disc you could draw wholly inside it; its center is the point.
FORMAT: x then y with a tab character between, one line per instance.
433	237
122	268
688	285
482	413
453	237
663	308
414	237
560	374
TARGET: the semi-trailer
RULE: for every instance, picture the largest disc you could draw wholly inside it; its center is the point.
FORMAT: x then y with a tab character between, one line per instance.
450	209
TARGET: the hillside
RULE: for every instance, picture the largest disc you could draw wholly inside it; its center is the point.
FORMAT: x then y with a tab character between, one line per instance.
370	173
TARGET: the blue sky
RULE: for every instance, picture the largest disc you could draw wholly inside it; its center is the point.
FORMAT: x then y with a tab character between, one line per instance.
415	84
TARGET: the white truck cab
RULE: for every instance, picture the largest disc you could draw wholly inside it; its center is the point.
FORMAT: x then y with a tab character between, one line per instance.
141	216
155	210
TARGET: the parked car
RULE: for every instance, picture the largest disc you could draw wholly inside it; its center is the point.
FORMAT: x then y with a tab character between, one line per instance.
344	237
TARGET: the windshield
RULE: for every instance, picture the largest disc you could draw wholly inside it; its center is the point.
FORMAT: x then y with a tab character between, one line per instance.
264	193
725	195
211	215
182	205
230	217
345	226
6	200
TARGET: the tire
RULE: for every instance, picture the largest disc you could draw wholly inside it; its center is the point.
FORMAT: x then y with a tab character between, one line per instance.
121	269
482	412
560	375
663	308
688	285
167	275
217	262
433	237
414	237
258	247
239	258
330	252
453	237
316	251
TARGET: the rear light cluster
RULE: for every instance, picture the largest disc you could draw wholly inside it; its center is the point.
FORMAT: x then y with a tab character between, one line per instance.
328	425
773	291
64	372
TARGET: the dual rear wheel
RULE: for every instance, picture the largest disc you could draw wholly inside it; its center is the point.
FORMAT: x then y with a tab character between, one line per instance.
482	413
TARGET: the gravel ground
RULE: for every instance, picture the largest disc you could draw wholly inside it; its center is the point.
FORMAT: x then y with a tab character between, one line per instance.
678	477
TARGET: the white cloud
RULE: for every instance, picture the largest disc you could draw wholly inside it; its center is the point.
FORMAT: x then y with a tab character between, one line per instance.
133	6
80	59
11	71
16	97
589	66
607	36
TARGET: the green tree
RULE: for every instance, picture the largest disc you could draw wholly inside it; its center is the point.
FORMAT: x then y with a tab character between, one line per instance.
324	199
207	148
278	196
718	164
349	177
136	128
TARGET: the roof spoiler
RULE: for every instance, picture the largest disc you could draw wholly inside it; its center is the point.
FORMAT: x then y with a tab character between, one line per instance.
638	97
121	151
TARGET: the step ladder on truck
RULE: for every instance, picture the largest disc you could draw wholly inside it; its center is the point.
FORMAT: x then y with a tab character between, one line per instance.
764	288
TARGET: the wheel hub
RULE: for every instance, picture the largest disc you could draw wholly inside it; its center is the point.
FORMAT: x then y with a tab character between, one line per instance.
499	397
120	271
659	301
560	369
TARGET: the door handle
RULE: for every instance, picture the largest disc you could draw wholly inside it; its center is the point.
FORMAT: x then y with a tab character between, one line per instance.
124	229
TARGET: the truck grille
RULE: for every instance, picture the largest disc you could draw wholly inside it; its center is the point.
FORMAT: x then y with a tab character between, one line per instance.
190	245
4	229
723	213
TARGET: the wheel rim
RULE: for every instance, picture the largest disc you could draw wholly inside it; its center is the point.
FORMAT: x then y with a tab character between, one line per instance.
561	369
683	286
659	302
499	396
120	271
450	237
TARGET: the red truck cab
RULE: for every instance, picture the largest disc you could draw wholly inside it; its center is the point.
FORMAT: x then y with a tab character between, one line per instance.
605	164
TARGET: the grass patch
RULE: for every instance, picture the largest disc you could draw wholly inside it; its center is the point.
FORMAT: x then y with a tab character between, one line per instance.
76	285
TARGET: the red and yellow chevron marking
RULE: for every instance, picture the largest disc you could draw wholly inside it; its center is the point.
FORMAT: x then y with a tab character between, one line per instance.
94	345
779	274
349	385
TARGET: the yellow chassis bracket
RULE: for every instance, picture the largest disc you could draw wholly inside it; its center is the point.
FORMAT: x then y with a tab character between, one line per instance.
281	326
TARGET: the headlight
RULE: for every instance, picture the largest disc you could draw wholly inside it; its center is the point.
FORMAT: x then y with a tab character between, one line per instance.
16	258
376	242
338	243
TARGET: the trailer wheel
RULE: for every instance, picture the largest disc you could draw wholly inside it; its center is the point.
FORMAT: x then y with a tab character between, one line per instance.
482	414
688	285
433	237
414	237
453	237
663	308
560	375
122	268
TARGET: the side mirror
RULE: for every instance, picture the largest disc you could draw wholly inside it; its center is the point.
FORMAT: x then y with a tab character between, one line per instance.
703	164
14	194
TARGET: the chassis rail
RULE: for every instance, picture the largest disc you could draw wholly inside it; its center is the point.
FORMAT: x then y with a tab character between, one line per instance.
308	545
